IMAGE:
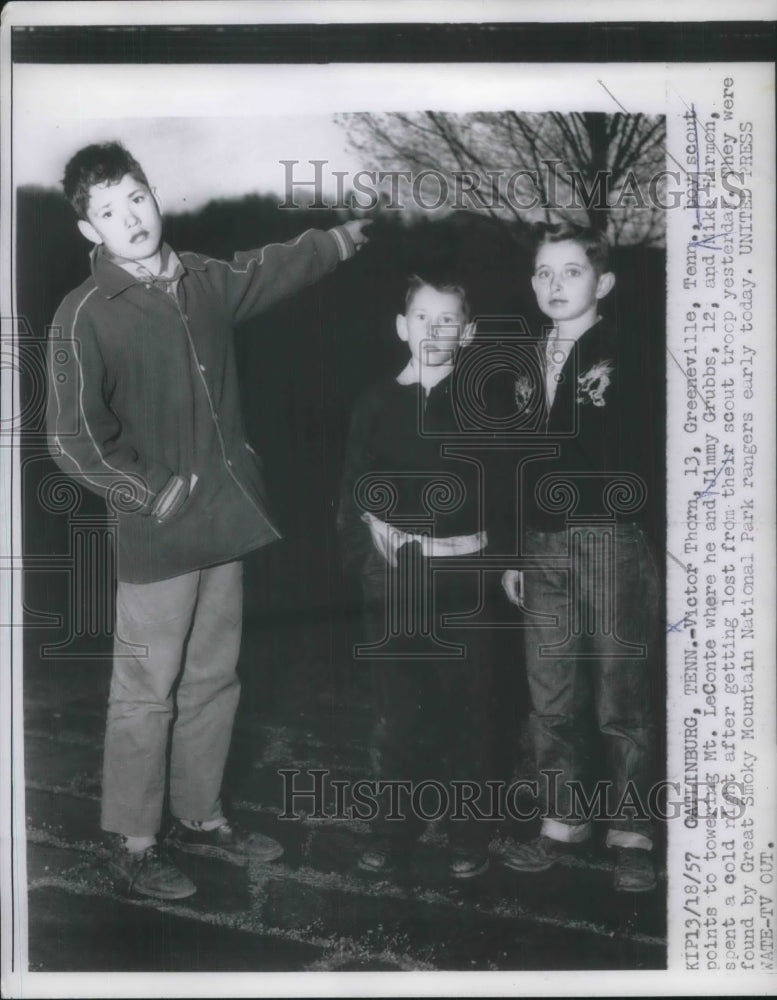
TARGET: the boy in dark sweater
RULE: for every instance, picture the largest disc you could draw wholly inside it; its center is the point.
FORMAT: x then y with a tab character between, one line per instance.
406	508
593	655
143	409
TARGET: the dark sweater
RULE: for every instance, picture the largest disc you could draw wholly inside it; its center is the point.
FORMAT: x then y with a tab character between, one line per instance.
396	437
605	421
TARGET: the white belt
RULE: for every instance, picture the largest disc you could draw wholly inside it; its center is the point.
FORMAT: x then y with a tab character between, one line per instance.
388	539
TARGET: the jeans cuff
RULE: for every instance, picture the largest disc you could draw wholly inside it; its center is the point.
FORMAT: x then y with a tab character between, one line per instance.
629	838
568	833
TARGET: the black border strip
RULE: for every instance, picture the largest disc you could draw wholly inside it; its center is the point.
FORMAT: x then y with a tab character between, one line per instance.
740	41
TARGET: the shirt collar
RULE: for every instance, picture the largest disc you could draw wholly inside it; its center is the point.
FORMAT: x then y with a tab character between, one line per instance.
552	334
170	267
114	275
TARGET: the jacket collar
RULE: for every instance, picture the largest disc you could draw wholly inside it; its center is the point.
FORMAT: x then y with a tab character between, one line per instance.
112	279
411	376
597	339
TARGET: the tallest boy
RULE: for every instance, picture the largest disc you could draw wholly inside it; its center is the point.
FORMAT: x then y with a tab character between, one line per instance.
144	410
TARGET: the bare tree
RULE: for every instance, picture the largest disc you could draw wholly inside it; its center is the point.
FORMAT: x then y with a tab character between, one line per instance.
588	167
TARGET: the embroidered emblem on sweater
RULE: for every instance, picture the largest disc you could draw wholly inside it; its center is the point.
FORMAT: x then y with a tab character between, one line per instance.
591	385
523	391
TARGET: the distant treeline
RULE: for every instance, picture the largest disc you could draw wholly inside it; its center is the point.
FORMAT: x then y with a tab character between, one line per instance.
303	362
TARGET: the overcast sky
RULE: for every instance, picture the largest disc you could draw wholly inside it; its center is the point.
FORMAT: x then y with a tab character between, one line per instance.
192	160
212	131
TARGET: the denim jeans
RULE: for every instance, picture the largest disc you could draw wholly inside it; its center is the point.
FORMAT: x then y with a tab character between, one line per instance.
175	656
602	675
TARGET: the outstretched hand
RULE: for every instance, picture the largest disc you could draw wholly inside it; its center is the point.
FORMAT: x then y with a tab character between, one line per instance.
356	229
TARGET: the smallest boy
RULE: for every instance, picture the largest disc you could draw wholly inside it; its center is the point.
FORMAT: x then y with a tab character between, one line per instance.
594	384
430	711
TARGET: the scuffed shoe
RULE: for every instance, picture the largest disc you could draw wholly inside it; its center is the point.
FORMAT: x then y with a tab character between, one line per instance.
467	863
379	859
227	842
149	873
634	870
536	855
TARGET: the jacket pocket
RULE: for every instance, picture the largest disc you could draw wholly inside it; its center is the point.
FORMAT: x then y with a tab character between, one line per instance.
256	476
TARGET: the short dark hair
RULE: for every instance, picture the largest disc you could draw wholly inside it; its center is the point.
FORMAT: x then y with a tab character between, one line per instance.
99	163
593	241
415	283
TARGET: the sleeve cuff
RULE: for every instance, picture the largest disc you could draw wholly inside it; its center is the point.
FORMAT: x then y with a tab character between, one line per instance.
345	246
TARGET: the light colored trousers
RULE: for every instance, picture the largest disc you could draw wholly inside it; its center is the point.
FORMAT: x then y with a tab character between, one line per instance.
176	648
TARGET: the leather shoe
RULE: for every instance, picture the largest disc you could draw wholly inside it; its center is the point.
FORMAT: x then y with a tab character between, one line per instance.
378	859
536	855
467	863
228	842
634	870
149	873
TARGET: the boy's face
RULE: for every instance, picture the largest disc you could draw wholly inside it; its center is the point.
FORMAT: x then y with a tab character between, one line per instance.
566	283
434	326
124	217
